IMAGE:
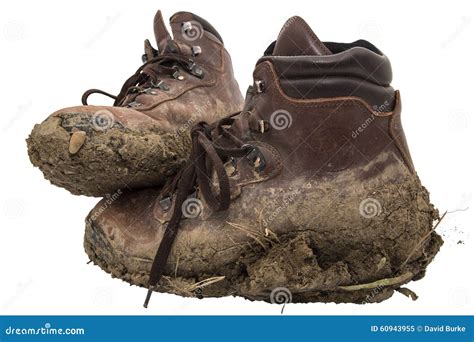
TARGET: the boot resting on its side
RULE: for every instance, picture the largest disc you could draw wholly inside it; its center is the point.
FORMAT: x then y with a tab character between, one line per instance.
144	137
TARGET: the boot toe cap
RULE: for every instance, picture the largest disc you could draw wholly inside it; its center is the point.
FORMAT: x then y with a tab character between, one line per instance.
128	227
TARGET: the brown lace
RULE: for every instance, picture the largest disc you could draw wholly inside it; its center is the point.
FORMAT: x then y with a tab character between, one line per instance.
149	75
212	146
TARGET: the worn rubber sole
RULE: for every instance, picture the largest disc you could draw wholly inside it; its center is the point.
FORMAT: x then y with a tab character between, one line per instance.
72	153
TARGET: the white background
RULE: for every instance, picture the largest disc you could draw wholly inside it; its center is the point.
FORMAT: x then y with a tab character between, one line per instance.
51	51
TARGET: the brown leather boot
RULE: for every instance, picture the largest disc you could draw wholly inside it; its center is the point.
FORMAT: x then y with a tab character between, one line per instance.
144	137
309	194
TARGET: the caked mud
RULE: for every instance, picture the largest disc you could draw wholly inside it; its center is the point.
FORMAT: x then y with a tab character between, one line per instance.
73	153
359	260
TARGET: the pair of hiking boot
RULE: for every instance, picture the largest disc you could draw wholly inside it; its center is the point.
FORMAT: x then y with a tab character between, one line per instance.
303	192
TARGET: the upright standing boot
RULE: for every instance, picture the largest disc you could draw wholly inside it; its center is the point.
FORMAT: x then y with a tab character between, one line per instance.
144	137
309	194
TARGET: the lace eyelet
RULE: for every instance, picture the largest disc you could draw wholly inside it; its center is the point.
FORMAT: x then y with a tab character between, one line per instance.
195	70
149	91
255	157
259	86
196	50
134	104
187	26
165	203
231	167
263	126
177	76
160	85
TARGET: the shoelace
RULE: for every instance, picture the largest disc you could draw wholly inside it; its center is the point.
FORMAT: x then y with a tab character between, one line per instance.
148	76
208	155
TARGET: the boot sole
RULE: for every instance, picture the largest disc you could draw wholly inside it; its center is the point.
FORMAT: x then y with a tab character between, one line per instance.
237	281
88	162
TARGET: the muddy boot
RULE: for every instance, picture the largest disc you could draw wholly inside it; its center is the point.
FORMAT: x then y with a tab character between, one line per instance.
144	137
309	194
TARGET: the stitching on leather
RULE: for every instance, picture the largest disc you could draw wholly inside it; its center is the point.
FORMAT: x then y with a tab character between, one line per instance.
400	145
221	51
278	161
320	103
276	155
211	83
308	30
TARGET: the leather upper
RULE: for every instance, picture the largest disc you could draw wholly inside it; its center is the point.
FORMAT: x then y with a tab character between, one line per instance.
313	125
181	98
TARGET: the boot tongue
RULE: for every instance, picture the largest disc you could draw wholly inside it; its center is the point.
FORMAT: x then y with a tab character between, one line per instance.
162	35
189	28
297	39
